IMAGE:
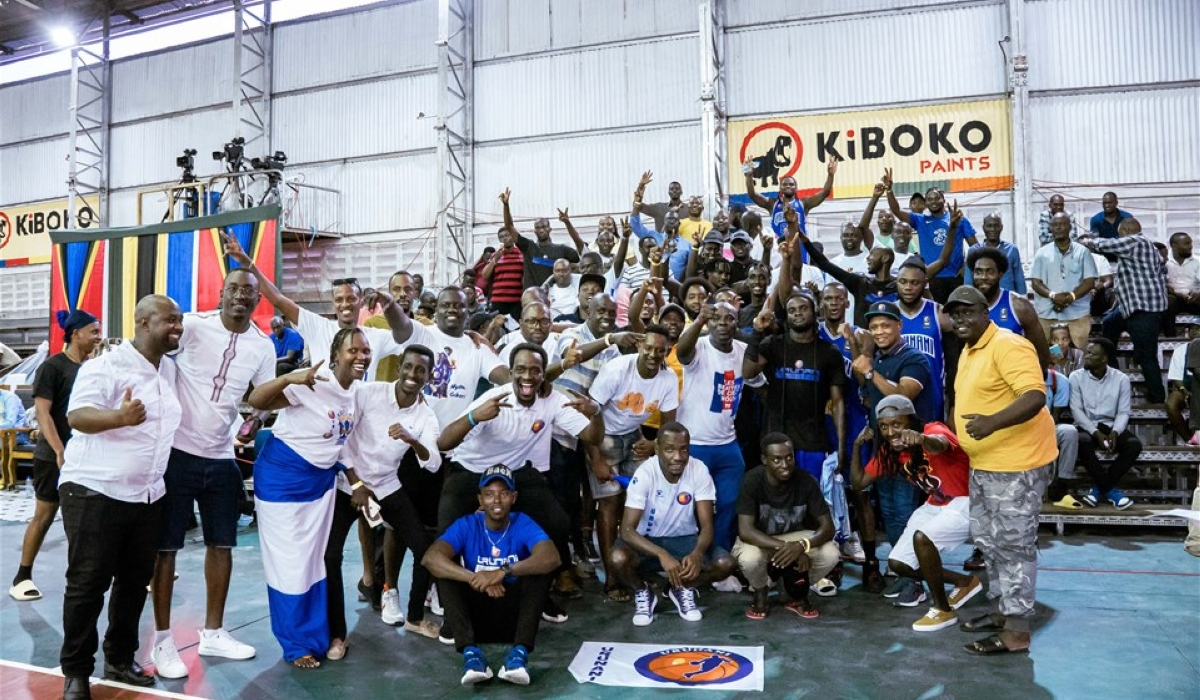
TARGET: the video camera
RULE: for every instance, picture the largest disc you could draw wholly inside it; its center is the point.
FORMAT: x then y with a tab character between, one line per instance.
272	162
234	154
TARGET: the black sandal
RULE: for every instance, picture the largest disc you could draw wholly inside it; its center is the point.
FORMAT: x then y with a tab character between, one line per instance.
989	646
983	623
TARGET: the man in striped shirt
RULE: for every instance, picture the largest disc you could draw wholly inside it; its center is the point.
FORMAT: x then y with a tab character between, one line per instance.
502	276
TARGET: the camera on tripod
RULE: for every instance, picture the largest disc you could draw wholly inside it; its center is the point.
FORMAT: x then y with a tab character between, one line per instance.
233	153
187	161
271	162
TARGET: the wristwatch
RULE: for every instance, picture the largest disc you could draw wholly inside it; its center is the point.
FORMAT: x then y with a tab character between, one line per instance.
869	375
506	568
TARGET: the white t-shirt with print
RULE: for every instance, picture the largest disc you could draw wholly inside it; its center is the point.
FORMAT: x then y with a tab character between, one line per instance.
372	453
628	399
318	333
458	366
712	390
519	434
319	420
669	510
214	368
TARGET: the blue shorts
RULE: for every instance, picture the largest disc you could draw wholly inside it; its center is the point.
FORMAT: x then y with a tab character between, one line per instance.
214	484
678	547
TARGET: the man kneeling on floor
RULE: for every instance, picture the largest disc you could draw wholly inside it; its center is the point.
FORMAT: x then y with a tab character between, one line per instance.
498	591
667	526
928	456
785	531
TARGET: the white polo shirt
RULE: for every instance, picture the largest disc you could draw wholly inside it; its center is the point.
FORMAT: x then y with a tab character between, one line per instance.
126	464
372	453
215	367
628	399
519	434
318	333
318	421
669	510
457	369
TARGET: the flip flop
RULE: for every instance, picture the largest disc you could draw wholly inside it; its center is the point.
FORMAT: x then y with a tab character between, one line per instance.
983	623
310	662
756	614
25	590
989	646
1068	502
618	594
810	614
825	588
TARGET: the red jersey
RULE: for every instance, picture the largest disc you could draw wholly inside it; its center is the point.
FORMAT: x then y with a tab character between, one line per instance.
944	476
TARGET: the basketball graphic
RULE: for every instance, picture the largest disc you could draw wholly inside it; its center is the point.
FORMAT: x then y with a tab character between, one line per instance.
694	666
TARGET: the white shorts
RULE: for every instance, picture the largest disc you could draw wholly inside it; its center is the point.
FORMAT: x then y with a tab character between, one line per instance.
946	526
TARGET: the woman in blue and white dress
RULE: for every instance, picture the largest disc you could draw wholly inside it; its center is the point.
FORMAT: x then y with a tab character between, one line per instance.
294	492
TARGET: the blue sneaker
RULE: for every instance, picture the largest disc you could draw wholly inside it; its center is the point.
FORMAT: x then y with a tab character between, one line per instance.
912	595
514	669
1118	499
1093	497
895	587
475	668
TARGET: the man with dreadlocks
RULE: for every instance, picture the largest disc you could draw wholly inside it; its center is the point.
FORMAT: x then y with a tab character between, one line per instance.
928	455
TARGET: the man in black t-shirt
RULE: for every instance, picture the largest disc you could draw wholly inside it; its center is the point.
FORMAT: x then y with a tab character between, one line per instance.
785	531
804	374
51	393
540	254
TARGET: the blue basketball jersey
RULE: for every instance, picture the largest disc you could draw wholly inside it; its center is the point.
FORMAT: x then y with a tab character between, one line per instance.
1002	314
852	397
779	225
923	333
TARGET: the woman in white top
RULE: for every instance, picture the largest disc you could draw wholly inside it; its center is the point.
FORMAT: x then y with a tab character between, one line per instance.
294	489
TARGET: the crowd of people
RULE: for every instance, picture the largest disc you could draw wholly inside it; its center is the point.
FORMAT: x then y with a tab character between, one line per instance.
724	406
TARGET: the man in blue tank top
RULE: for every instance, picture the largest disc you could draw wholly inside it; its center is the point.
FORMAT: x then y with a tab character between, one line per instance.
787	197
1007	310
924	326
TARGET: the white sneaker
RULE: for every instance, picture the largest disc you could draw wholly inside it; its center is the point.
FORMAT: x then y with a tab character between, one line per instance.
166	660
432	602
391	613
852	548
644	602
685	602
221	643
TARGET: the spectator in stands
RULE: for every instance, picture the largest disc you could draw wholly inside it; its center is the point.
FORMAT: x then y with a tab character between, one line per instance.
933	232
694	226
1058	402
1106	223
668	526
539	254
1012	279
502	276
902	239
1183	281
12	414
740	243
403	290
1141	299
493	568
658	210
676	248
1056	205
1065	356
787	197
1183	376
875	283
1008	310
785	532
1003	425
562	287
1100	404
289	346
1062	278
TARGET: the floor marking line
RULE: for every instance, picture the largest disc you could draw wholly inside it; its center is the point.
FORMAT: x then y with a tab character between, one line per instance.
97	681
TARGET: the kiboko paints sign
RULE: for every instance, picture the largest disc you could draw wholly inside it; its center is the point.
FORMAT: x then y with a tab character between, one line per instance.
960	147
659	666
25	230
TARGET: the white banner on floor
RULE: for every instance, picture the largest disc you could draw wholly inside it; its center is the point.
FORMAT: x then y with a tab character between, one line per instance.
661	666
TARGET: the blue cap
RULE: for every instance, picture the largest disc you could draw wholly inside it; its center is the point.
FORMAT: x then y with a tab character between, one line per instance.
498	471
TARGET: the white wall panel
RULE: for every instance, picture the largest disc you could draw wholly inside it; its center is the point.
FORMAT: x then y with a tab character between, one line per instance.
854	62
748	12
145	152
632	84
356	120
25	293
358	45
34	171
1130	137
592	175
388	194
173	81
1096	43
33	109
307	270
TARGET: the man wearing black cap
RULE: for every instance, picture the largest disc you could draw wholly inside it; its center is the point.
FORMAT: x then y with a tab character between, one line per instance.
51	392
497	592
590	285
740	243
1004	427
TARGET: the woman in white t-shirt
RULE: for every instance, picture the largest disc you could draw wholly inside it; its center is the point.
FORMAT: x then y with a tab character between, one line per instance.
294	479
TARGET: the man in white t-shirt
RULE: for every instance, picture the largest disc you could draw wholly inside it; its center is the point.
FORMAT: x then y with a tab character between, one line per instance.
712	391
854	254
535	328
562	288
318	331
629	390
667	526
221	355
512	425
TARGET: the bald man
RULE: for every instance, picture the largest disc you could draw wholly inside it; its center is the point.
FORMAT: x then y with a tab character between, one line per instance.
123	414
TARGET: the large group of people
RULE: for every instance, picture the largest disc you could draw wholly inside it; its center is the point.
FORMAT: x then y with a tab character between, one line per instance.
726	405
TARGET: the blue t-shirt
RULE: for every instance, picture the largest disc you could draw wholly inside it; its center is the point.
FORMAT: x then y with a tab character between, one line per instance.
931	232
484	550
291	340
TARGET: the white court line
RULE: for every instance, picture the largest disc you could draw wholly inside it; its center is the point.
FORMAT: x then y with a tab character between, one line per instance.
96	681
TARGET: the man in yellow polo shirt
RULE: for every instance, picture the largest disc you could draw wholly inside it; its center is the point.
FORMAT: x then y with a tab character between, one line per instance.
1003	425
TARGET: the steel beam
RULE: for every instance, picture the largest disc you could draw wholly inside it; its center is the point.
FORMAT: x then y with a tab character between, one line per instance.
712	106
252	51
1018	79
90	118
455	127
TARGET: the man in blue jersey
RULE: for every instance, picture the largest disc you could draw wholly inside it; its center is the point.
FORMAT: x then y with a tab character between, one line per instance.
787	197
1007	310
932	230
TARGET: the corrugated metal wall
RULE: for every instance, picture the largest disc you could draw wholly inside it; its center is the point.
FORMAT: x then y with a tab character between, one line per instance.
575	98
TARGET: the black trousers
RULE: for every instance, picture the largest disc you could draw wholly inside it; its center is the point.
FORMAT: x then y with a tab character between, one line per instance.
398	511
477	618
460	496
109	543
566	480
1128	449
1176	306
1143	328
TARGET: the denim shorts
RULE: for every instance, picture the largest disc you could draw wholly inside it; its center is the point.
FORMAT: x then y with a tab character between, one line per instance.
618	450
678	547
214	484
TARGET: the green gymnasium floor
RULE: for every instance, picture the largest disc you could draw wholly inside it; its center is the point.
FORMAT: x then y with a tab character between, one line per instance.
1119	618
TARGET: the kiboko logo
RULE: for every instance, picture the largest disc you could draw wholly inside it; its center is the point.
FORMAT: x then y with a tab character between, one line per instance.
872	142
